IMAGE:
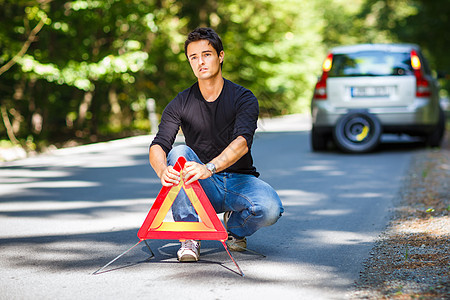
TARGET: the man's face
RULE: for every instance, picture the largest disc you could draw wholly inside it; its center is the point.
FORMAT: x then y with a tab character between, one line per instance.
204	59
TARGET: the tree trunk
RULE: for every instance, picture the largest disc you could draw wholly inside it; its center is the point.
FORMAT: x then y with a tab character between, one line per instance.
115	118
84	107
8	126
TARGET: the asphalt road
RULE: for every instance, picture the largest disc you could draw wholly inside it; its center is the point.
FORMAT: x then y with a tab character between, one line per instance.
66	214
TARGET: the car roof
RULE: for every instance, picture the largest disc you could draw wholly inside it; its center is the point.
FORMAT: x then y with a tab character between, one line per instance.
378	47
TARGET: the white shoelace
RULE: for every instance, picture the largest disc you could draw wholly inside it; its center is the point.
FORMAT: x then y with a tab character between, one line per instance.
190	244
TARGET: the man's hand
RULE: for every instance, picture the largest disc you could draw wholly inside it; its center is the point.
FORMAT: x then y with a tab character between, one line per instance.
193	171
170	176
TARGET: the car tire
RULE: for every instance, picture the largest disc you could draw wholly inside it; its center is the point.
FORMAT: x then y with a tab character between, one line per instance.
318	141
357	132
435	139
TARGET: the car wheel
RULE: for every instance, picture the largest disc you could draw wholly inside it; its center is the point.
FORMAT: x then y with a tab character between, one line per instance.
357	132
318	141
435	139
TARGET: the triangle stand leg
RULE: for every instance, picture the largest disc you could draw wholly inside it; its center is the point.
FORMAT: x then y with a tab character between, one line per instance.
232	258
148	246
102	268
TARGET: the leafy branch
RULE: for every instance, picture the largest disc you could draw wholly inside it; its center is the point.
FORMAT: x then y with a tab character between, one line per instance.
31	38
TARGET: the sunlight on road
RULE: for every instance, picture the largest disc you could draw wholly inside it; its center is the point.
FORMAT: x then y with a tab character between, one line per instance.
51	218
331	212
47	185
287	279
299	197
330	238
73	205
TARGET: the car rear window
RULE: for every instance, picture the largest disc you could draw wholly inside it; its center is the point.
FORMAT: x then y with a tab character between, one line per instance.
371	63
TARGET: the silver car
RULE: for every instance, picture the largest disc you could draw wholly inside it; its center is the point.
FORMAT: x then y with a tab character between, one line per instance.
369	89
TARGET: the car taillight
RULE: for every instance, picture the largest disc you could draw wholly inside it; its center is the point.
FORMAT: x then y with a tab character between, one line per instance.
422	84
320	91
328	63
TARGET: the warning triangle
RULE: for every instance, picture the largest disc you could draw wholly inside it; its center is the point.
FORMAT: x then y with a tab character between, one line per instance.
208	228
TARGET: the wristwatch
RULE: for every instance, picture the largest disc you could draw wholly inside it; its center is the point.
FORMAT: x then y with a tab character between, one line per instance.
211	167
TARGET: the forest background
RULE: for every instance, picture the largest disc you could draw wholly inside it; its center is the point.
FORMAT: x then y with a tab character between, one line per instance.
82	71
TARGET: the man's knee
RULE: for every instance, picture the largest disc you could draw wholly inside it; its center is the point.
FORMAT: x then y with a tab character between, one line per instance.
178	151
269	212
273	214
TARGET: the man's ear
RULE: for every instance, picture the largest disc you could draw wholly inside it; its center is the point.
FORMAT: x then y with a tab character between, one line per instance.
221	56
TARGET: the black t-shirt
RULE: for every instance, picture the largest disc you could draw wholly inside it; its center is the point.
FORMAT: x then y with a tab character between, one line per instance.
209	127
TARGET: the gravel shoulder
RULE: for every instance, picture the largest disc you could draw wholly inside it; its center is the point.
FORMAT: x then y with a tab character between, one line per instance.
411	259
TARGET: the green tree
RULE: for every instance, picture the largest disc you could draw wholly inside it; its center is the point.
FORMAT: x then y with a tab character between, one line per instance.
89	70
83	69
421	22
274	48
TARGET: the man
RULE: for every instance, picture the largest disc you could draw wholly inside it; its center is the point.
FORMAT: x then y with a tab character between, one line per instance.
218	119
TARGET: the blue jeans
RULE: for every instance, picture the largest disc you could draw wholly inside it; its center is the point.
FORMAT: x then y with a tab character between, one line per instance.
254	203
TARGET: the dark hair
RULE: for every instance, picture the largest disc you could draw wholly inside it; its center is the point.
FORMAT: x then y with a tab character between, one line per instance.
204	33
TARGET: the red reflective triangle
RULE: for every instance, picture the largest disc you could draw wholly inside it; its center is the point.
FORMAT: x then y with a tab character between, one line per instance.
209	227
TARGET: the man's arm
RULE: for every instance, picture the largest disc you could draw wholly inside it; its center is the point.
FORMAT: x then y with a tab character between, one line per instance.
231	154
193	170
158	159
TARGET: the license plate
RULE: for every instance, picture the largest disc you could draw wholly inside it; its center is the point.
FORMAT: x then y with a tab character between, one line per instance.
371	91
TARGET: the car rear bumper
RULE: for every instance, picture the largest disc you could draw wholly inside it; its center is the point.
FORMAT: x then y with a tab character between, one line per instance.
419	114
414	130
